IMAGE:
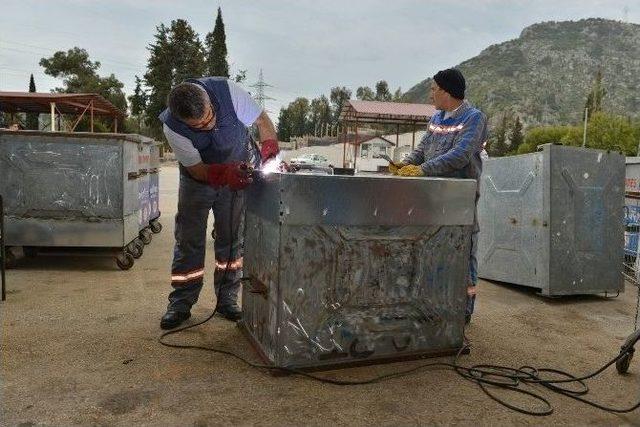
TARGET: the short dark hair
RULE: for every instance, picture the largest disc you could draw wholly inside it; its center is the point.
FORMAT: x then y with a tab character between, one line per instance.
187	101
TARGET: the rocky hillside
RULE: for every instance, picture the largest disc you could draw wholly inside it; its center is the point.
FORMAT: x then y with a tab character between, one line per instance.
544	75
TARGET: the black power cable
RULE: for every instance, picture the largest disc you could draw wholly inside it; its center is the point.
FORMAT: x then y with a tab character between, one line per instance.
486	376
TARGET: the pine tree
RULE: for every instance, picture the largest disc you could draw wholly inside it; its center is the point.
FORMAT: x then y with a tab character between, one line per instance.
596	95
517	138
32	118
216	44
138	102
498	147
175	55
284	125
338	96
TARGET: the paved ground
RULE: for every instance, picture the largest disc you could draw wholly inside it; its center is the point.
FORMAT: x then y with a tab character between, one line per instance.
79	347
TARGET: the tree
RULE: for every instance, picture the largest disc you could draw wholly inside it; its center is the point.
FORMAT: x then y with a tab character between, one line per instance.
498	147
299	116
241	76
80	75
382	91
517	138
338	96
364	93
546	135
284	125
217	49
320	113
175	55
32	118
138	102
397	95
596	95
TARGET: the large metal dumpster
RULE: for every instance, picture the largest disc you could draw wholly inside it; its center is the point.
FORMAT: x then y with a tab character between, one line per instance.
154	186
552	220
346	270
76	190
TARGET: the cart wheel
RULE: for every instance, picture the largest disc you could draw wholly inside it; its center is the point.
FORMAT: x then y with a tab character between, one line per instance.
125	261
138	242
145	236
135	249
156	227
30	251
622	365
9	258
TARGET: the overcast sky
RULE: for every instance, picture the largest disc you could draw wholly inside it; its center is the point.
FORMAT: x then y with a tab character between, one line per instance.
304	47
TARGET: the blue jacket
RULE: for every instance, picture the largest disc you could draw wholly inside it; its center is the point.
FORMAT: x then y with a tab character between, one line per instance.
452	146
229	141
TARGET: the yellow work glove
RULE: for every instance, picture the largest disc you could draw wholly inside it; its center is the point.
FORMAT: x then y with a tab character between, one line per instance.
411	170
394	168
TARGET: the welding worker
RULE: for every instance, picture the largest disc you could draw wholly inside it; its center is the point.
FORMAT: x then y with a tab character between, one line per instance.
206	124
452	147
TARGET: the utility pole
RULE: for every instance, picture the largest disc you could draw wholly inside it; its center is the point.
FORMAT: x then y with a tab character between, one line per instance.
260	95
584	135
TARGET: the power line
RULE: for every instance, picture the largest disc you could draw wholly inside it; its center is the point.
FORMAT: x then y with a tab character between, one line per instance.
260	95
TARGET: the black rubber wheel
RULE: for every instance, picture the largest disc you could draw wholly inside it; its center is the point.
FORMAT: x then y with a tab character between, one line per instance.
125	261
136	250
10	258
30	251
156	227
145	236
622	365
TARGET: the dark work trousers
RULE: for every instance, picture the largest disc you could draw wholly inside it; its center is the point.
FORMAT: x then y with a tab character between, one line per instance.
195	201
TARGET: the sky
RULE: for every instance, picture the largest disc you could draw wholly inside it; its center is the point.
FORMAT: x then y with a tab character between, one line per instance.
304	47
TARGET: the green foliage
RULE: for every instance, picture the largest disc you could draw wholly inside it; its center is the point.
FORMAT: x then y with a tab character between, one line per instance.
516	138
284	125
338	96
32	118
241	76
364	93
382	91
319	114
595	97
175	55
216	44
80	75
545	135
498	146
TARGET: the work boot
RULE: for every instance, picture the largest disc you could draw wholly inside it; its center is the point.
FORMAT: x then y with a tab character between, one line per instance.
230	312
173	319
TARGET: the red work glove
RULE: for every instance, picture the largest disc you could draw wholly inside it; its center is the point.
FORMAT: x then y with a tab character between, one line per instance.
236	175
268	149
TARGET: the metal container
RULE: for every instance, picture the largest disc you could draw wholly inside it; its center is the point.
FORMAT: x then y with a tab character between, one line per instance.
144	165
70	189
154	180
553	220
348	270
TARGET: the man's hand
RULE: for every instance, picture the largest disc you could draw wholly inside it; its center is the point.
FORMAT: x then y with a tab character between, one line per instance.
411	170
269	149
199	171
236	175
395	167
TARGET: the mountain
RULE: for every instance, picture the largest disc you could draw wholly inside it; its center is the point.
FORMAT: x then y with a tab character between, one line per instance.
545	75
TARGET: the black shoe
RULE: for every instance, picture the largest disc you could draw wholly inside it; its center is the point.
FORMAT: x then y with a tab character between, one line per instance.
173	319
230	312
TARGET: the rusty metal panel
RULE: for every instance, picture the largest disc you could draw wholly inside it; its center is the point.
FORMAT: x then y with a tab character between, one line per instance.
331	289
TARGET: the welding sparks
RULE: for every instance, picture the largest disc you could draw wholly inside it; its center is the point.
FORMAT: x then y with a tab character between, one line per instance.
271	165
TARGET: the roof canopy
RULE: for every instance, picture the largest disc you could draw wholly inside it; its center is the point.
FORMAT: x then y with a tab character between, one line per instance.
66	103
386	112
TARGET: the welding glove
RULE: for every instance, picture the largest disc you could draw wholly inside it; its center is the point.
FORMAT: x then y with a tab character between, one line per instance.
269	149
236	175
394	168
411	170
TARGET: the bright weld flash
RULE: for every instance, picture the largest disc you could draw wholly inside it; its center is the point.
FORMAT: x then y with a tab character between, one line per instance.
271	165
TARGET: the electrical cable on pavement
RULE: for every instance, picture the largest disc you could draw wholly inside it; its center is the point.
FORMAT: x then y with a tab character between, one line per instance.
486	376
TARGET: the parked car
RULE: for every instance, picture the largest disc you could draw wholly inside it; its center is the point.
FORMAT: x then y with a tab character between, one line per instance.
311	161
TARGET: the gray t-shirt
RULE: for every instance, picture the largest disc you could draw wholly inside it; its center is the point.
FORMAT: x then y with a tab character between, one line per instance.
246	109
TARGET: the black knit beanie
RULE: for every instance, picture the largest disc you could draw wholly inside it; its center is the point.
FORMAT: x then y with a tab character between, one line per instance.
452	81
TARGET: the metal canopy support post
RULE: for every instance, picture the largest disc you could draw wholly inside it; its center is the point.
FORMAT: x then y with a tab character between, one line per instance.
344	146
2	252
413	137
53	116
91	110
115	124
355	149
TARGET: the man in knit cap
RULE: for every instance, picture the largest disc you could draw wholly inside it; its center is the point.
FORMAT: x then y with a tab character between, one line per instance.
451	148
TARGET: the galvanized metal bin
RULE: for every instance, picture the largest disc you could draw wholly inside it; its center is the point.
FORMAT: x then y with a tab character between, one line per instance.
154	181
71	190
346	270
553	220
